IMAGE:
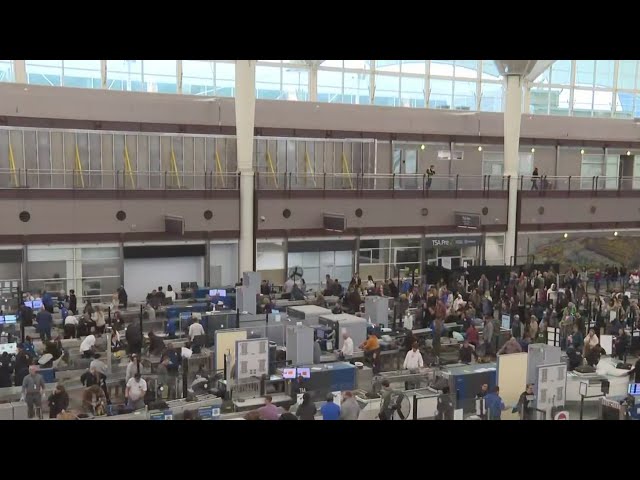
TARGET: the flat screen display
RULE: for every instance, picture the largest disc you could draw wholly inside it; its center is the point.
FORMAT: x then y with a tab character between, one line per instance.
10	319
185	315
37	304
289	373
221	292
304	372
28	304
506	322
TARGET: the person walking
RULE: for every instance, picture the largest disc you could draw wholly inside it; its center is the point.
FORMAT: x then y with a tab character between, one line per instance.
430	173
32	391
534	179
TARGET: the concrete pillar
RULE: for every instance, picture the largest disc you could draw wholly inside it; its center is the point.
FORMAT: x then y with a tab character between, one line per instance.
245	101
512	117
313	83
20	71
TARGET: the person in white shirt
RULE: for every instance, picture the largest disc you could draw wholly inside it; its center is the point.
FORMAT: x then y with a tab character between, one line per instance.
136	389
170	295
347	344
195	329
87	346
70	326
413	360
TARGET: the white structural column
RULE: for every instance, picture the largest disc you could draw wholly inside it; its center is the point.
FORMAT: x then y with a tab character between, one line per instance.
512	117
245	101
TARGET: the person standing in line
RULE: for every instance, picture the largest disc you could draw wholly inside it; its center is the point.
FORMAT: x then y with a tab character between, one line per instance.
32	391
385	401
330	411
494	404
430	173
413	360
534	179
268	411
171	295
307	409
135	392
123	298
58	401
349	410
45	321
73	302
347	345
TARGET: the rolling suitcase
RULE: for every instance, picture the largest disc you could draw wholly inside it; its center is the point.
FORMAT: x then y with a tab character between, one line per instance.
20	411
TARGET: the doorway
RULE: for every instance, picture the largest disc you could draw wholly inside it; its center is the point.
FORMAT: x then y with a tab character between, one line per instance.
405	162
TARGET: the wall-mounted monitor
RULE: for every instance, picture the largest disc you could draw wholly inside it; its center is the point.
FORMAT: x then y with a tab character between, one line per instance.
304	372
219	292
289	373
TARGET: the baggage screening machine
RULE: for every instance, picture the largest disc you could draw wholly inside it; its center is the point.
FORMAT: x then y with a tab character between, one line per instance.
336	323
307	314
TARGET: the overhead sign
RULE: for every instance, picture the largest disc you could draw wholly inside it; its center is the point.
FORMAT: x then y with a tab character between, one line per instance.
454	242
467	220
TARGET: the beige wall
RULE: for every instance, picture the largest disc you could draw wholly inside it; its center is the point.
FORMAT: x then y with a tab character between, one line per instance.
306	213
113	106
574	210
98	216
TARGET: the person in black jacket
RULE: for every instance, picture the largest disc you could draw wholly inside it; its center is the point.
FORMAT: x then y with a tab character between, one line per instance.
307	410
122	297
58	401
6	369
26	315
73	302
21	366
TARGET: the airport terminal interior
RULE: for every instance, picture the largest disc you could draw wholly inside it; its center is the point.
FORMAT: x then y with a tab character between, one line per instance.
319	240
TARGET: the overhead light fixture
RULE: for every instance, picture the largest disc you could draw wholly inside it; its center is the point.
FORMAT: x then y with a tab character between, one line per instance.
615	234
566	235
533	150
422	147
582	151
480	148
628	153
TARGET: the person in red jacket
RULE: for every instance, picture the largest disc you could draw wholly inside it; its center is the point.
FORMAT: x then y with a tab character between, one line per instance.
472	335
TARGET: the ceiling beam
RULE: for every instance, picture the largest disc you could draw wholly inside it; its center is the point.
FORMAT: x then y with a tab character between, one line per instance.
538	68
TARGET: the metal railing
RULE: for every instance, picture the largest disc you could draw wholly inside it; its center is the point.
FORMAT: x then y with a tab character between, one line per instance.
379	181
570	183
117	180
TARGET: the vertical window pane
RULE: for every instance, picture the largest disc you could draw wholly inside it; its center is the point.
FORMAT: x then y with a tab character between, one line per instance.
627	74
561	72
268	82
387	90
197	77
329	86
441	93
225	79
464	96
160	75
624	105
295	83
412	91
356	88
491	99
6	71
44	72
582	102
125	75
585	70
604	73
602	103
539	98
559	99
